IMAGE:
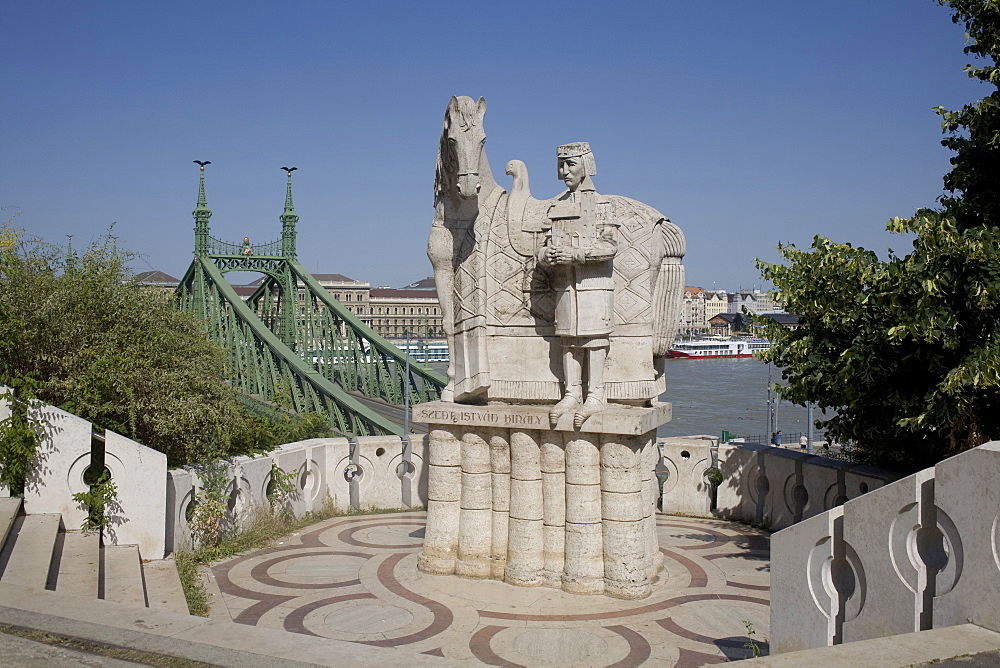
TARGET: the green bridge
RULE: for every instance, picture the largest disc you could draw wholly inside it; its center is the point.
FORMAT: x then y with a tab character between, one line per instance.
291	343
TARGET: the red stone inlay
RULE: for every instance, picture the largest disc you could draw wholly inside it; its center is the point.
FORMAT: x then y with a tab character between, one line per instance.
347	536
639	649
260	574
312	539
699	578
443	616
295	621
718	538
252	615
481	649
614	614
752	555
670	625
691	659
754	541
743	585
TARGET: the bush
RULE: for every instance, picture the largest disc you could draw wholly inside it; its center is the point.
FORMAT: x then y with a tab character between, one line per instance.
79	333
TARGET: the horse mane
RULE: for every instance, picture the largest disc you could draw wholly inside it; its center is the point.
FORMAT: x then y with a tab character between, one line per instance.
467	117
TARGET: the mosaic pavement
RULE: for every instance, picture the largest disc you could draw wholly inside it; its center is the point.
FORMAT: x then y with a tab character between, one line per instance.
355	579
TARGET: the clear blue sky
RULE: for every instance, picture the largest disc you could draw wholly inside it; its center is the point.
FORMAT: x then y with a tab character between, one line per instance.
746	123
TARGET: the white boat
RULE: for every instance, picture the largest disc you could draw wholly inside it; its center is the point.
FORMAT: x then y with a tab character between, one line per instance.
425	352
714	348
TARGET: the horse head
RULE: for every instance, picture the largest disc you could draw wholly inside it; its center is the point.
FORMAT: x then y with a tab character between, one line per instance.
461	151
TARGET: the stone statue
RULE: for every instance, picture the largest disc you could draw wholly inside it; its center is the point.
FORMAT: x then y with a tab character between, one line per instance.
465	196
558	313
497	295
580	247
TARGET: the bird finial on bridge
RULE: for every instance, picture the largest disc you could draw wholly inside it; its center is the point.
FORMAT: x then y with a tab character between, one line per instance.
201	212
288	218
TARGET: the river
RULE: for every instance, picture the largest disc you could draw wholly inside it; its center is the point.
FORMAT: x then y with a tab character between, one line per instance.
710	395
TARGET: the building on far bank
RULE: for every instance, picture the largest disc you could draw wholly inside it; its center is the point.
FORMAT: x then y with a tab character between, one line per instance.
728	324
415	309
716	302
693	319
391	312
349	292
157	280
786	320
700	306
753	301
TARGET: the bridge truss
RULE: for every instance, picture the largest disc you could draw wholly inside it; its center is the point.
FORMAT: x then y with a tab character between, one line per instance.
291	343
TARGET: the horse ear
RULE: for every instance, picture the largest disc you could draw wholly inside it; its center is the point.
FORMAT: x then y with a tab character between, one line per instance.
453	103
481	107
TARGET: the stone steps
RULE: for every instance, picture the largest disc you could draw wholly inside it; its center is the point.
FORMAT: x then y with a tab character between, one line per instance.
35	553
163	586
9	509
27	554
79	564
122	580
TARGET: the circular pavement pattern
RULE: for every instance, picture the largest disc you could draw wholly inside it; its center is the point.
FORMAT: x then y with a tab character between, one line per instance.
355	578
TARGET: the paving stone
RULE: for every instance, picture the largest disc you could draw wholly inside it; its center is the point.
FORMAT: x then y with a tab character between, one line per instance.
308	589
79	556
163	586
9	508
123	575
27	554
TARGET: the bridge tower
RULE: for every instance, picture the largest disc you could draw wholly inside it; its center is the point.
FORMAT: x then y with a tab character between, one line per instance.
291	344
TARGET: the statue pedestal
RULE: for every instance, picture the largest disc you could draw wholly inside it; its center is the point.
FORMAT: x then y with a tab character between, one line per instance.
511	499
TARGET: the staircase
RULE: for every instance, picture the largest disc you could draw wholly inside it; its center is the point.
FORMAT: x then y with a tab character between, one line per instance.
38	552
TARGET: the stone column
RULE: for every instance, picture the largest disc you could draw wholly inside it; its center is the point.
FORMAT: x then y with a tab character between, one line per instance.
650	496
553	460
584	569
500	464
626	546
444	484
475	518
524	542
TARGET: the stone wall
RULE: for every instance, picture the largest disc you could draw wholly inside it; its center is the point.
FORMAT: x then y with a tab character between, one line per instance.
67	451
767	486
154	507
322	475
917	554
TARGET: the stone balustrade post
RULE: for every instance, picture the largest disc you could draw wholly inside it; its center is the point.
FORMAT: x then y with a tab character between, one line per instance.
525	542
444	489
500	466
584	572
553	462
475	517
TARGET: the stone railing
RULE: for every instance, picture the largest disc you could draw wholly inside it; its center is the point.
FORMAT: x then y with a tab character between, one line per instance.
920	553
153	506
368	474
67	450
762	485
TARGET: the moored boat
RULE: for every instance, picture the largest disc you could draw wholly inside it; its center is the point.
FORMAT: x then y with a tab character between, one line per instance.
715	348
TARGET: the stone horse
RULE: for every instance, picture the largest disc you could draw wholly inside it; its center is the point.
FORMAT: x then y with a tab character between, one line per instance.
497	303
465	195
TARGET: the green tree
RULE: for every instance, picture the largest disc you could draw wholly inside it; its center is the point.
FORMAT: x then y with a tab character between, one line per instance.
907	350
83	336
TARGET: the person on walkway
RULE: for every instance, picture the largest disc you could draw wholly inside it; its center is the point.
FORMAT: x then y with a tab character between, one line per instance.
777	439
803	441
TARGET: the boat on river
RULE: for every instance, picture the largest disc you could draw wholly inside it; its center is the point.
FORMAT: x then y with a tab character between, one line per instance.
426	353
716	348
